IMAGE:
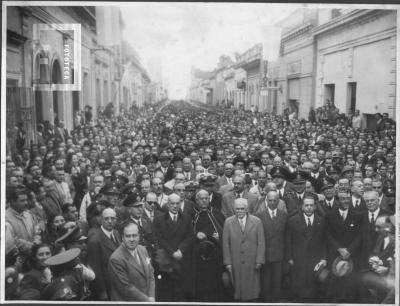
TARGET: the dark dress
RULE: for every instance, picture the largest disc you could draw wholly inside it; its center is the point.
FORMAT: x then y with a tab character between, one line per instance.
208	265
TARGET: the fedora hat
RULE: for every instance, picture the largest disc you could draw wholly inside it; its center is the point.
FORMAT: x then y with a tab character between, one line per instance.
342	267
227	280
322	274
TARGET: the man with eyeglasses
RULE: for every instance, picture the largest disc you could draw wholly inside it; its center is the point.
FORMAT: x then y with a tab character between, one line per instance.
186	205
152	209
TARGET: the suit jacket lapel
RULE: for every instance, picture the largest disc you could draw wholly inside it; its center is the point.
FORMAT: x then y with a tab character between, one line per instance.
107	242
133	261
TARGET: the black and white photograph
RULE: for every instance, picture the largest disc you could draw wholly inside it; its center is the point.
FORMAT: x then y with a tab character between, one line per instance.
199	152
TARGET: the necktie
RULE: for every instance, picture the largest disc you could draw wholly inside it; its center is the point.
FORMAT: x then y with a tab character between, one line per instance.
343	215
237	195
372	218
273	214
280	194
299	196
309	222
242	224
174	219
357	202
151	215
113	238
136	255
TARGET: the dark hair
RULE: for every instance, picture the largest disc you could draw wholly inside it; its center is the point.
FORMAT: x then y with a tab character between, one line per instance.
13	192
32	261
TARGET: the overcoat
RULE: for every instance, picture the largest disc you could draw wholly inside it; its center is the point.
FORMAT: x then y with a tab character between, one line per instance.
243	250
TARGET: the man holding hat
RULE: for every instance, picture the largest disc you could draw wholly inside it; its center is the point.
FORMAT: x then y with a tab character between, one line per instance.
344	234
305	249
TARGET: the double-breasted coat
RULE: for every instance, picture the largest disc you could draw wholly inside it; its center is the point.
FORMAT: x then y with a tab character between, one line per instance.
243	250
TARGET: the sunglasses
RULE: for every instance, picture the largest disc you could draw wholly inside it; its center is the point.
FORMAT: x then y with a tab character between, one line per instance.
152	203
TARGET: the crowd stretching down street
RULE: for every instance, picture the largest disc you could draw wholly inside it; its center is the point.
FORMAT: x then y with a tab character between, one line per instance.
182	202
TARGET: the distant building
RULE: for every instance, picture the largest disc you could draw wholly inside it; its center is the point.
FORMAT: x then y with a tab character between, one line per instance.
347	57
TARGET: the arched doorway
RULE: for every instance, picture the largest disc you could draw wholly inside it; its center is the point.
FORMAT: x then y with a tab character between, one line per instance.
56	78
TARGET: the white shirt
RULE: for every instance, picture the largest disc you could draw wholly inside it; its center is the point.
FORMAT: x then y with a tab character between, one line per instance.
309	217
386	241
182	205
187	175
330	202
240	194
343	213
135	255
137	221
172	216
149	213
243	220
300	194
354	199
106	232
272	213
376	213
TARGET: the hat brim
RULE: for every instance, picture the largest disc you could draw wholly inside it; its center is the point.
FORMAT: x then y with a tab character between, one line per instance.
347	271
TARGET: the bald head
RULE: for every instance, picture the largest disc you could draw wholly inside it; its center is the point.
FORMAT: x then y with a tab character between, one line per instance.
108	219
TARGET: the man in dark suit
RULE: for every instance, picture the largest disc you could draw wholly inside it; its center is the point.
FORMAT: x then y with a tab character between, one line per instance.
207	183
227	177
188	170
330	202
165	167
294	198
130	269
174	234
152	209
305	249
279	176
102	242
228	199
357	201
274	223
135	208
187	206
384	202
370	235
344	233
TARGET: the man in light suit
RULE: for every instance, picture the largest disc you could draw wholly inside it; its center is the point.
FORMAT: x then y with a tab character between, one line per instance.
102	242
243	246
274	223
130	269
228	199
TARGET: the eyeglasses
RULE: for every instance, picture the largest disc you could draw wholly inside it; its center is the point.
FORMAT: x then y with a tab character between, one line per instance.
152	202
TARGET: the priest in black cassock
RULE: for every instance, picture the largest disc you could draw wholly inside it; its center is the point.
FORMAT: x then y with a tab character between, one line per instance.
207	260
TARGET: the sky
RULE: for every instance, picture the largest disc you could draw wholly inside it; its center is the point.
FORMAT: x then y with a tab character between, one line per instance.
183	35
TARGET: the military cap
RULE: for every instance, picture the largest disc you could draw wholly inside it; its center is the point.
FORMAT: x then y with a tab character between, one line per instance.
110	189
128	188
191	185
238	159
96	208
151	158
63	258
72	235
279	172
336	154
328	180
300	177
208	179
327	186
107	173
347	169
132	200
121	180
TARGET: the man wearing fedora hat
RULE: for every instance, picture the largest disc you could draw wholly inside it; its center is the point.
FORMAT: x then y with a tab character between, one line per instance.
344	234
305	249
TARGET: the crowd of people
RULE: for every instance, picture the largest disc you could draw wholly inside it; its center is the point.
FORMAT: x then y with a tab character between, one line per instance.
181	202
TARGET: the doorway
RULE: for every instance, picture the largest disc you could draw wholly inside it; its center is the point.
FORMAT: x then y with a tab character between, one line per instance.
351	96
329	93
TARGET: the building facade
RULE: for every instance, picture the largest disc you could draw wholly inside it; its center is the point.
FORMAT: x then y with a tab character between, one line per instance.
345	56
